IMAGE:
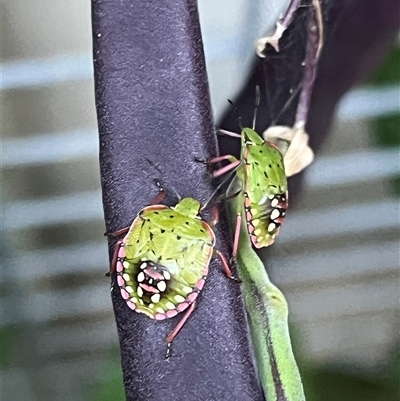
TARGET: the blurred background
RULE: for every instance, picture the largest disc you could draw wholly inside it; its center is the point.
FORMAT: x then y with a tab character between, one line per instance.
337	258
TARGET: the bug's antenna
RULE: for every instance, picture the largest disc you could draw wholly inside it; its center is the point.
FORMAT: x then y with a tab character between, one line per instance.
258	96
287	104
237	115
162	176
223	182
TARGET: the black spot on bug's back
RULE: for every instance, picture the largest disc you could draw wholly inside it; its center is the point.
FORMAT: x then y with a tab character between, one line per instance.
151	236
260	151
269	165
201	230
171	217
187	223
178	237
155	212
266	175
162	231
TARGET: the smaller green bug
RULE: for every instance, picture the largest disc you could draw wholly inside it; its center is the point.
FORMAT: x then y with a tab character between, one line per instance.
162	262
260	173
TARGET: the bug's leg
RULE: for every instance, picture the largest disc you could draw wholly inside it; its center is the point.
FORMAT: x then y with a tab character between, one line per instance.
118	233
225	266
237	234
217	159
171	336
215	216
114	258
225	169
228	133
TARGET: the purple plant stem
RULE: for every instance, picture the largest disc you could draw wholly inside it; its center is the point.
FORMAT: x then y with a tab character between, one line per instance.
153	103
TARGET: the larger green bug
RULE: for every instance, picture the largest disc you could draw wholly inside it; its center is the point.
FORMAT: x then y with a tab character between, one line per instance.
162	262
260	174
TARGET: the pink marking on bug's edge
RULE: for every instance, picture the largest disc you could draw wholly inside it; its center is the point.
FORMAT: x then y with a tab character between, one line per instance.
249	216
119	267
181	307
120	280
200	284
149	288
172	313
250	228
124	294
121	252
160	316
192	296
131	305
154	274
246	201
255	242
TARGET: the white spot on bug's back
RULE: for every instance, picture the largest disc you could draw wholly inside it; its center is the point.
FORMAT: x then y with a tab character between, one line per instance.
140	292
141	302
134	300
162	286
126	276
187	290
167	275
179	298
273	236
151	306
143	265
257	232
170	305
274	202
155	298
256	222
160	310
143	259
254	211
263	199
151	281
271	227
129	289
126	264
275	214
271	197
140	277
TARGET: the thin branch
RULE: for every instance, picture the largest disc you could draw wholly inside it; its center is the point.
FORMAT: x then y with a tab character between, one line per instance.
313	51
281	27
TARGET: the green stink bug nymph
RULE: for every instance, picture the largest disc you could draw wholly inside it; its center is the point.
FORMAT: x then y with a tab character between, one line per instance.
260	173
162	262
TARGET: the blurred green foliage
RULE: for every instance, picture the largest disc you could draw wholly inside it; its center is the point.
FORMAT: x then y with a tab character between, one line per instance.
389	71
7	343
110	385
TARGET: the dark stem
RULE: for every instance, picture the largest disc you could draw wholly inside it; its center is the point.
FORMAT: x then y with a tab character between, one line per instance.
153	103
313	51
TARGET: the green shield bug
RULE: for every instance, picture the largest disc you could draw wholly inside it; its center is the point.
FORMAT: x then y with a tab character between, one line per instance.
260	173
163	260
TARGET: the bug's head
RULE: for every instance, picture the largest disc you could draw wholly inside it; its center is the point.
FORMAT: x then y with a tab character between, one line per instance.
250	137
188	207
